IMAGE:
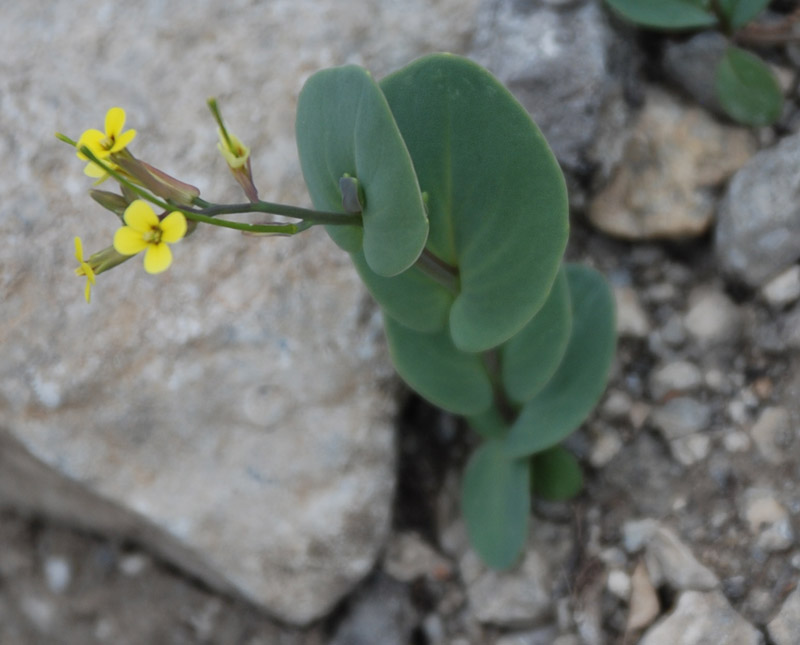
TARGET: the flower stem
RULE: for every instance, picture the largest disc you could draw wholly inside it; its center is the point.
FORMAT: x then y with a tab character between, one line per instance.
206	214
306	214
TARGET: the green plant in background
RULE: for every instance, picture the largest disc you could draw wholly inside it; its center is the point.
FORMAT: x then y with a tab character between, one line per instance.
454	212
745	87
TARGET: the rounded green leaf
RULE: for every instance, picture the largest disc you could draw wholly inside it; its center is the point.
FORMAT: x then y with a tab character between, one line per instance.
345	128
411	298
555	475
497	200
495	502
666	14
431	365
530	358
739	12
747	90
568	398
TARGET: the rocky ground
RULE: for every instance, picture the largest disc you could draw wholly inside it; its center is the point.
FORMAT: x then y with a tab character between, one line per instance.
687	530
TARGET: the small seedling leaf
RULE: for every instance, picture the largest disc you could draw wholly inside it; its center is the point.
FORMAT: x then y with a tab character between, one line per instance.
747	89
666	14
555	475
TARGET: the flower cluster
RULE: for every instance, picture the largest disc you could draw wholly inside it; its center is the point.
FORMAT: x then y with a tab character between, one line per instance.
156	209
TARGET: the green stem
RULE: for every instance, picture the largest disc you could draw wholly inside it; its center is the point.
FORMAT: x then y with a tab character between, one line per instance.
438	270
306	214
206	216
508	411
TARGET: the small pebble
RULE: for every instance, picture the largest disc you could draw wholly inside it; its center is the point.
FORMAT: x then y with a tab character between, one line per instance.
632	320
712	318
619	584
57	573
784	288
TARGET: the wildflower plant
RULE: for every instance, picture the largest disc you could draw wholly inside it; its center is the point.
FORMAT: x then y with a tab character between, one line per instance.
454	212
745	87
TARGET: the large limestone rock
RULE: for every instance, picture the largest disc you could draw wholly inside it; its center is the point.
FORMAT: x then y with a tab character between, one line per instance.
233	413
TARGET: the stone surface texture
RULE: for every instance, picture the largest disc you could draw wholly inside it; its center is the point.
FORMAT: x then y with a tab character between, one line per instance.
703	619
785	627
758	223
665	186
560	62
232	414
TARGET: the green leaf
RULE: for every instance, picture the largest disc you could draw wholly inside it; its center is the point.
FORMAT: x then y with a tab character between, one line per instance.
344	127
666	14
739	12
555	475
531	357
568	398
747	90
453	380
497	201
411	298
495	501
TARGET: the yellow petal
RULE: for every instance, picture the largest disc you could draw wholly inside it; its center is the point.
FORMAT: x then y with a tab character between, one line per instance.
140	216
94	171
91	139
128	242
88	291
115	120
122	140
173	227
79	249
157	258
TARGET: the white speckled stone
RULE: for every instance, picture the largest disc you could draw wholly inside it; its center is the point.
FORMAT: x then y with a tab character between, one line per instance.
233	413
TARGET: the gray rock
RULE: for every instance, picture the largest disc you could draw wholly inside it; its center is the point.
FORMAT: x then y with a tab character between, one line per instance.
768	519
680	417
543	636
664	187
784	288
518	598
773	434
523	596
382	612
669	561
677	376
785	627
632	319
758	222
637	533
207	411
702	619
692	64
408	557
712	318
556	61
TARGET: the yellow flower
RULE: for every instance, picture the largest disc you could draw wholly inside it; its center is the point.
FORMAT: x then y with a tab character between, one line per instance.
104	144
232	148
144	231
84	268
